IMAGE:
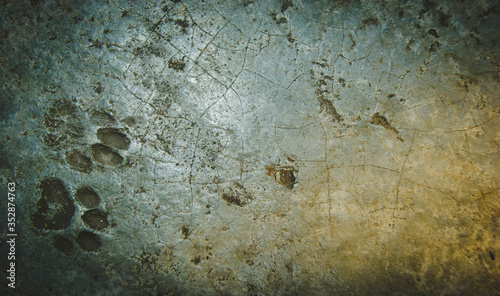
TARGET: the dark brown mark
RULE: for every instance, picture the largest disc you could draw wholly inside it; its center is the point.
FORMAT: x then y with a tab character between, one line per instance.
236	195
285	5
433	33
327	106
182	23
378	119
177	65
434	46
370	22
186	231
285	176
196	260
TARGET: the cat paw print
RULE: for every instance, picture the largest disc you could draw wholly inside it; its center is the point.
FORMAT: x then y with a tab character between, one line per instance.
103	153
55	210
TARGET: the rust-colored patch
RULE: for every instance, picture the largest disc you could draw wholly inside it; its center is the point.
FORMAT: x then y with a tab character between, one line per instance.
283	175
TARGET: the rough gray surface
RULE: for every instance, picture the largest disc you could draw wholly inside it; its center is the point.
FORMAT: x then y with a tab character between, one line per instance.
276	147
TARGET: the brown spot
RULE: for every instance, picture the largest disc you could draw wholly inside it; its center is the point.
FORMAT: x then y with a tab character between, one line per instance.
378	119
177	65
182	23
285	5
196	260
327	106
186	231
236	195
369	22
285	176
433	33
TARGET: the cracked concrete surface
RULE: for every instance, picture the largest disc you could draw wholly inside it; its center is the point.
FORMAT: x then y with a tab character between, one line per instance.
253	147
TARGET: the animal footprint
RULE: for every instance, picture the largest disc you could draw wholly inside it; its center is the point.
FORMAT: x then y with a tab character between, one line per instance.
56	207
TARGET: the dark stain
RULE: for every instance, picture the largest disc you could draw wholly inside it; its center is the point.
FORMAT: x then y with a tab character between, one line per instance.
321	64
181	23
433	33
196	259
427	6
285	5
352	41
62	108
177	65
467	81
444	19
285	176
185	231
492	256
491	10
236	195
129	120
342	81
378	119
101	118
434	46
290	38
98	88
370	22
280	20
409	44
390	96
327	106
53	140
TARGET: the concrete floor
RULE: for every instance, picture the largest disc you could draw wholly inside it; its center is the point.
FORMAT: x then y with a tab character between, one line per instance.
246	147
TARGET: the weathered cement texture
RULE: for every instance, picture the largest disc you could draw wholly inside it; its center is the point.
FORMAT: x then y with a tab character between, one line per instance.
255	147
